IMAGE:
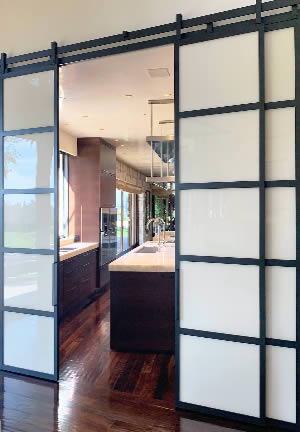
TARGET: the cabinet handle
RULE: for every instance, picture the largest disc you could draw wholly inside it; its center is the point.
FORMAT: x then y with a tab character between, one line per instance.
54	284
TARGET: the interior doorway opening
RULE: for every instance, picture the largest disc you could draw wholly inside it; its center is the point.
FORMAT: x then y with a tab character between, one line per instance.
116	272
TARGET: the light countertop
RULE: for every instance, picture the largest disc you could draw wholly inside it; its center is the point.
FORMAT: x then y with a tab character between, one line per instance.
133	261
73	249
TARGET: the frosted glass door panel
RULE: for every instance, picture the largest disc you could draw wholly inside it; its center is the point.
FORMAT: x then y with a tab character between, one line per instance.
220	374
280	144
220	298
28	161
220	222
281	223
29	342
29	221
281	302
280	65
28	281
29	101
219	72
222	147
281	383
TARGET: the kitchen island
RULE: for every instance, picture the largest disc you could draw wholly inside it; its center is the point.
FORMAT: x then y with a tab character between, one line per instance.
142	299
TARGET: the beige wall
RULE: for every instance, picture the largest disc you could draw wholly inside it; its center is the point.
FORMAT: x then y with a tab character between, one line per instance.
67	143
32	25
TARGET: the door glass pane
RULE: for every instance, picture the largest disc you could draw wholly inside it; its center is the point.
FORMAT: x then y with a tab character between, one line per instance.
281	302
280	144
220	298
281	383
220	374
219	72
281	223
29	101
28	161
28	281
220	222
280	65
222	147
29	221
29	342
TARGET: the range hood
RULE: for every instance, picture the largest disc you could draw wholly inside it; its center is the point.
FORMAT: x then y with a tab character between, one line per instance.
164	147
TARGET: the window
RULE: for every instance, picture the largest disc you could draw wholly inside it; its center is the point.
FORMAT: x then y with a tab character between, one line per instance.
126	220
63	194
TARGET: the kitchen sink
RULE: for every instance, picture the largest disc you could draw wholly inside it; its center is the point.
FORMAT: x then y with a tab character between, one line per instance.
149	249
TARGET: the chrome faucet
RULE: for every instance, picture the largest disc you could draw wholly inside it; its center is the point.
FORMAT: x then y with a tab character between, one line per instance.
158	221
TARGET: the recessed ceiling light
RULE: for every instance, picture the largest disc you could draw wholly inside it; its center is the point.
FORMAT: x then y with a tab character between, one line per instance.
122	145
101	129
85	116
145	114
128	96
116	140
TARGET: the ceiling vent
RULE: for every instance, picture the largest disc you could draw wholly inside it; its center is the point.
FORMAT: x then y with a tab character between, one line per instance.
159	72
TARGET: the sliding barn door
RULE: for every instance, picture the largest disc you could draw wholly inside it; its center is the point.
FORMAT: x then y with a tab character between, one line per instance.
236	221
29	222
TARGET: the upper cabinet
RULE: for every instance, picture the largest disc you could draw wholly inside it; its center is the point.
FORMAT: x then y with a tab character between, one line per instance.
92	185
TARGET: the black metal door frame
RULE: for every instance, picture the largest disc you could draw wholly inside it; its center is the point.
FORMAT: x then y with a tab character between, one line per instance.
3	192
260	25
179	33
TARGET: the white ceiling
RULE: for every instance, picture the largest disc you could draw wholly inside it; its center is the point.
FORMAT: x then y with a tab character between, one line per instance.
97	89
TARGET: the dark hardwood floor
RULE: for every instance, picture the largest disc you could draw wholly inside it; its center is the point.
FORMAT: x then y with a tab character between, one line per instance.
100	390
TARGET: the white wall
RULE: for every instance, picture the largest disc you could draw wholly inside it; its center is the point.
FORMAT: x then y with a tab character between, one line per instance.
31	25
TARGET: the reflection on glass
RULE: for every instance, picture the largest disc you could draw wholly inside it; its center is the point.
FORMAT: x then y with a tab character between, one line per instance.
28	161
29	221
29	342
28	281
29	101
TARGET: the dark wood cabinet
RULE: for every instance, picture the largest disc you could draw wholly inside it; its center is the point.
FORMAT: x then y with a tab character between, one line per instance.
142	312
77	282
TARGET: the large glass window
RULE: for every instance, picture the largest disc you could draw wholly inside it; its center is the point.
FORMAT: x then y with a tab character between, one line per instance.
126	220
119	220
63	195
